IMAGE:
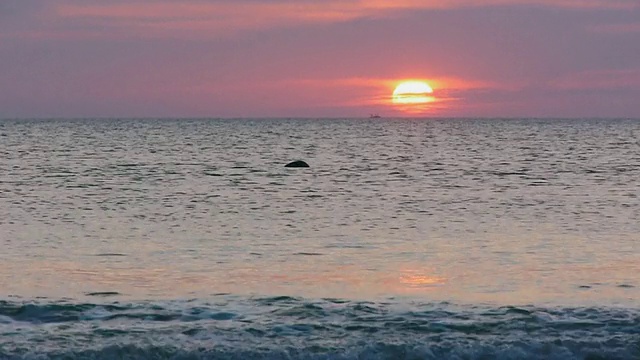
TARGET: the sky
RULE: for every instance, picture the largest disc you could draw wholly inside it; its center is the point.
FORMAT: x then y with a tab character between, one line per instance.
318	58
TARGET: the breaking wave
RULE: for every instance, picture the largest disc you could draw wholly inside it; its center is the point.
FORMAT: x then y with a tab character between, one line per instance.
294	328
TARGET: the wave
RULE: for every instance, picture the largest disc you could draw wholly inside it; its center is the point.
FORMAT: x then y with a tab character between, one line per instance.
293	328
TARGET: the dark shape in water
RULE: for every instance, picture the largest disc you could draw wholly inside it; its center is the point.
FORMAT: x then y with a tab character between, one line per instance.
297	164
103	293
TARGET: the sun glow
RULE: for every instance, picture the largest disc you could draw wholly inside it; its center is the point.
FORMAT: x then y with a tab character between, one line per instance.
412	92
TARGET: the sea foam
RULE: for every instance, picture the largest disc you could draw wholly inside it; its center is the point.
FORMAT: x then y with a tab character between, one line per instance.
295	328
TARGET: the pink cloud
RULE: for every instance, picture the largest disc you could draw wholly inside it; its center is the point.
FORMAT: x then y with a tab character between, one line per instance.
372	94
162	18
68	19
271	57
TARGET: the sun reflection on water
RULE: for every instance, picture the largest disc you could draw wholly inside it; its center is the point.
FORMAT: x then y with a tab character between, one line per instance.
421	280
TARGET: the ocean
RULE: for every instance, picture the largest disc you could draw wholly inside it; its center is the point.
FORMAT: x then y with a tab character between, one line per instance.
404	239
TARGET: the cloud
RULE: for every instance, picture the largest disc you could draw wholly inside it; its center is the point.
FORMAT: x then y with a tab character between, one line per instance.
313	58
206	19
357	93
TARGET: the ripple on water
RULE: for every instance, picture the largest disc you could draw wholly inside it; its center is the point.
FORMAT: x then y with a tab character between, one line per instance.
515	211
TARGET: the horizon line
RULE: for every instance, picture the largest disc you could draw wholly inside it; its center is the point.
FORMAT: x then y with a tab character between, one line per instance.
382	117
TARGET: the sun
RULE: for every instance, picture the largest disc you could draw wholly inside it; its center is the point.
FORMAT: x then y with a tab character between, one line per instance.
412	92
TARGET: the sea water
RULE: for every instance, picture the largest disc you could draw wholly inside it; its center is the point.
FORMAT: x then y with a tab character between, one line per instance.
404	239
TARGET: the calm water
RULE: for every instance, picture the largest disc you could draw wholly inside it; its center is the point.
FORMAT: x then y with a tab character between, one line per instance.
405	238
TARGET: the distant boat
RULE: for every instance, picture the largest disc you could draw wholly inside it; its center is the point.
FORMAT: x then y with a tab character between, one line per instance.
374	116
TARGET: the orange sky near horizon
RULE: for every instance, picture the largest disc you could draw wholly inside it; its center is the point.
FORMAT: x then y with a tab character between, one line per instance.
314	58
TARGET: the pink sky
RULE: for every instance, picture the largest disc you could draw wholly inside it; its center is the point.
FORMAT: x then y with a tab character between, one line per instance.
314	58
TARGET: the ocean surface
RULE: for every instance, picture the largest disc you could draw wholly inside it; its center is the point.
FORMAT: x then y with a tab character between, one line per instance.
404	239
